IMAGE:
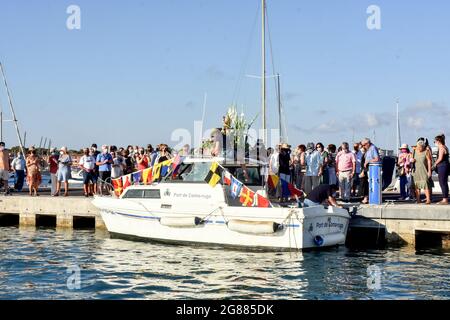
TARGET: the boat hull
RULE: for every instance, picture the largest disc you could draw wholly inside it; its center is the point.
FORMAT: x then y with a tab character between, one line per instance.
294	229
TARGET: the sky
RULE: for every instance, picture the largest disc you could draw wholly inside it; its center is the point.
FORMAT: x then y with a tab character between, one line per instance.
138	70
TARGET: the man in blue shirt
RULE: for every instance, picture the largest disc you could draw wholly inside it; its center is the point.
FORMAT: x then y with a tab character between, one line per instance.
371	156
104	162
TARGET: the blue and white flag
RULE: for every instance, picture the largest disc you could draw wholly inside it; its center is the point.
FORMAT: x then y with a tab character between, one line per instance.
136	177
235	187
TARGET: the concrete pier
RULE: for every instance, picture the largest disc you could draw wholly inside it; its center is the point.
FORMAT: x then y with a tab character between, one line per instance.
66	210
404	223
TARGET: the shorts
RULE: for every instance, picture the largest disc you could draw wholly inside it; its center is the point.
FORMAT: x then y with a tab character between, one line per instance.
89	177
105	176
4	174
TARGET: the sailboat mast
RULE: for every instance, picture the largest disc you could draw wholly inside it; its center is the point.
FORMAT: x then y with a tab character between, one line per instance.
398	129
263	76
12	109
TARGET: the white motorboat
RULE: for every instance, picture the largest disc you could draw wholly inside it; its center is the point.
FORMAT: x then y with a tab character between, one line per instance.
188	210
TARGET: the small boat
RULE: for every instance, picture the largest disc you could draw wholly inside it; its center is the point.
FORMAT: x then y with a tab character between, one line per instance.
187	210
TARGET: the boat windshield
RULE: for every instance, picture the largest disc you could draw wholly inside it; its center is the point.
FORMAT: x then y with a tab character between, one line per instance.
193	172
197	172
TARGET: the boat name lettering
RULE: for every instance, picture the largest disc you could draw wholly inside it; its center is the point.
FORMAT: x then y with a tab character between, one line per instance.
329	225
191	195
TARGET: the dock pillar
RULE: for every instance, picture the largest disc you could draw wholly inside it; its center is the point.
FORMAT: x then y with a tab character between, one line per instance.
99	224
27	219
64	221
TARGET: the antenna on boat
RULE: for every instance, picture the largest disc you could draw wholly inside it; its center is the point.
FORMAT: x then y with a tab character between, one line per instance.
12	109
399	139
203	117
279	107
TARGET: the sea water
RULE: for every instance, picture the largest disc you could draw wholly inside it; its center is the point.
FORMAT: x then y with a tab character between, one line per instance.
46	263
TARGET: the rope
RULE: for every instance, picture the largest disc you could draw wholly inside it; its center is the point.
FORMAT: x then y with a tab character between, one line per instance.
237	89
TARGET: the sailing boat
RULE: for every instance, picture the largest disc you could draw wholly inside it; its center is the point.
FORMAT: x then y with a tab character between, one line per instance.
14	120
185	209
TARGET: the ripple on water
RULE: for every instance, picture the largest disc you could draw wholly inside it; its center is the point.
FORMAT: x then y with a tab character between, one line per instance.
34	264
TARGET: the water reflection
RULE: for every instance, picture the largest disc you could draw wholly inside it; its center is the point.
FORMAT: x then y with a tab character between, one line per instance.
33	264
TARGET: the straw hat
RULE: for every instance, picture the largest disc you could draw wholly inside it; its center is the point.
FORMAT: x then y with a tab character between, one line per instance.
285	146
404	146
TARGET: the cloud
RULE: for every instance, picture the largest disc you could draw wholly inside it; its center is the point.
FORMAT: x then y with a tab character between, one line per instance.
416	122
424	118
427	107
214	73
289	96
322	112
373	120
189	105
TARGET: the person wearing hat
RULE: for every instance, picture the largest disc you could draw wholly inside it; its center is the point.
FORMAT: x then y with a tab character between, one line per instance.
34	178
404	170
4	167
64	172
314	165
53	164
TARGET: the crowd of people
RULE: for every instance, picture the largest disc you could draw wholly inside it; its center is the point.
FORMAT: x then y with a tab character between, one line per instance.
98	166
307	166
313	165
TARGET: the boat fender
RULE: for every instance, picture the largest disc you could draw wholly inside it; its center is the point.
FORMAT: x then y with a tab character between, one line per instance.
181	222
254	227
329	239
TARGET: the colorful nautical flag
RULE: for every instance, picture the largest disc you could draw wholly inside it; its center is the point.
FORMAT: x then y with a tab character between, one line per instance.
165	166
262	202
272	181
176	165
176	161
226	177
118	186
137	177
247	197
214	175
147	176
289	190
126	181
235	187
294	191
157	171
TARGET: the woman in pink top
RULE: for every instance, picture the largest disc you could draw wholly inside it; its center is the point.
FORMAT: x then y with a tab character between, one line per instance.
404	170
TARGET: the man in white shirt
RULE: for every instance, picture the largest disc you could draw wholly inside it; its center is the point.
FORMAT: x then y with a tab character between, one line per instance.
18	166
87	164
313	162
273	161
